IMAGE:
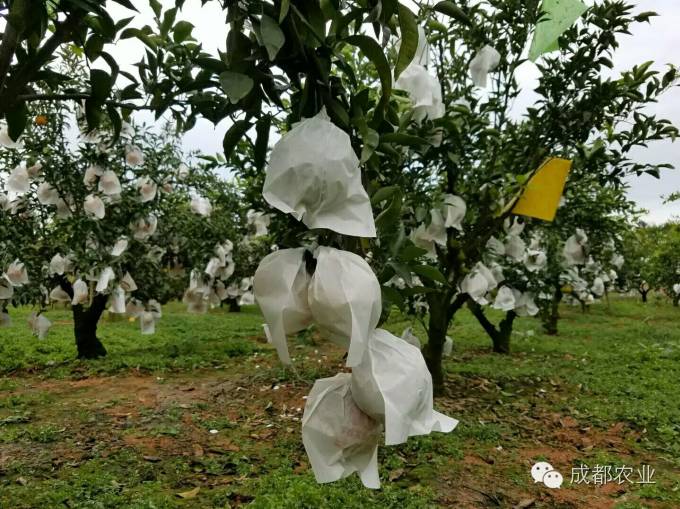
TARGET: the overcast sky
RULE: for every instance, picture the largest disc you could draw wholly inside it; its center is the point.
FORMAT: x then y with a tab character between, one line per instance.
658	41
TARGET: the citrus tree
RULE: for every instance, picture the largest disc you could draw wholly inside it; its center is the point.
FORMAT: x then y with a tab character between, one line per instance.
100	220
652	260
638	274
481	154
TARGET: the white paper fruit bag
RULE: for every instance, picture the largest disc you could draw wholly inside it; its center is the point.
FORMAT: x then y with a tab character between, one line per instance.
339	438
314	175
280	287
392	385
345	299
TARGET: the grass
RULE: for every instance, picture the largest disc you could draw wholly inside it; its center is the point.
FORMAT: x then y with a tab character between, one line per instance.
205	404
182	341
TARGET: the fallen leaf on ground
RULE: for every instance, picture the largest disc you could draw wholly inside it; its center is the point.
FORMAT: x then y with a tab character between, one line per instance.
190	493
396	474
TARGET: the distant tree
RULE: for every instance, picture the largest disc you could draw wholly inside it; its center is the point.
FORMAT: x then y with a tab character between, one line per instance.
96	221
479	152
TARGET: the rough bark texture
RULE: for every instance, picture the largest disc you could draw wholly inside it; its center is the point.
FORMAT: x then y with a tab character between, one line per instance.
85	322
676	300
234	306
644	295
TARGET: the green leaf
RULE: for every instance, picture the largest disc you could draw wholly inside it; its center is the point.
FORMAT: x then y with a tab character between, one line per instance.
285	5
101	84
115	69
21	14
375	54
429	272
411	252
371	139
417	290
156	7
234	135
236	85
402	271
409	40
123	23
559	16
168	21
16	121
403	139
93	47
453	11
392	296
93	114
116	121
126	3
272	36
384	193
182	31
392	214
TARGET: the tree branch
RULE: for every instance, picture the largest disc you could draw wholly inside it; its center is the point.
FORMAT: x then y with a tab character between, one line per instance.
9	45
478	313
76	96
25	73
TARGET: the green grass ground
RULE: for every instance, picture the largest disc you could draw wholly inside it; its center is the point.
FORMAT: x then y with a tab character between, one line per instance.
203	415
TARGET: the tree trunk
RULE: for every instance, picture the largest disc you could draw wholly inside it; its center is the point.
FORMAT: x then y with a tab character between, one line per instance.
436	336
85	322
500	337
644	295
501	343
234	306
551	318
676	300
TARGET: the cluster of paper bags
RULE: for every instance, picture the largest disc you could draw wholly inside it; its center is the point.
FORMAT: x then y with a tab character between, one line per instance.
314	175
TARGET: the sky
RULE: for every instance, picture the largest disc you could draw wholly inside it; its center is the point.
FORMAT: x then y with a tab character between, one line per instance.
658	41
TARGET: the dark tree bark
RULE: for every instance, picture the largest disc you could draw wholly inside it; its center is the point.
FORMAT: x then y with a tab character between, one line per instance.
441	313
85	321
552	317
500	336
676	300
436	336
234	306
644	293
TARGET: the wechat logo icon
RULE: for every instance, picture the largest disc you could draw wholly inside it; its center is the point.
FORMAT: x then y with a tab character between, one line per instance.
545	473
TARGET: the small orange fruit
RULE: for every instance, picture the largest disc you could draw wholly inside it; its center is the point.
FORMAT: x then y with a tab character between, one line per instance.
41	120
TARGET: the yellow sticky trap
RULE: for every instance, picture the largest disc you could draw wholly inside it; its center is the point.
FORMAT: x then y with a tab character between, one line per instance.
544	190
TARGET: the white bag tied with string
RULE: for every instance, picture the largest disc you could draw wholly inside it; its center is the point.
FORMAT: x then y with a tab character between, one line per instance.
345	300
313	174
342	297
280	288
339	438
393	385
